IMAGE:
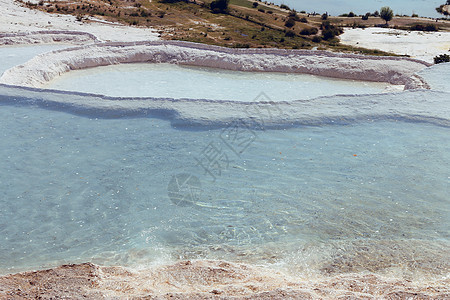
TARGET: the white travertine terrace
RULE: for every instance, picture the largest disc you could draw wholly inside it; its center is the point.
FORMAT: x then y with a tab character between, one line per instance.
47	37
417	44
415	106
45	67
17	19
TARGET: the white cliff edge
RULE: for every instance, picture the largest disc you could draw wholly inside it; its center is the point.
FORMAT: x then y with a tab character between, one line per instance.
47	37
46	67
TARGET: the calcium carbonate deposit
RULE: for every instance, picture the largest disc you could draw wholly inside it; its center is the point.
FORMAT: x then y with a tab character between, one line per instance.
175	197
48	66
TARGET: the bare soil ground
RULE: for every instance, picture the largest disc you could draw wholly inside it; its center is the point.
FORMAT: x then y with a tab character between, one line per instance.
263	26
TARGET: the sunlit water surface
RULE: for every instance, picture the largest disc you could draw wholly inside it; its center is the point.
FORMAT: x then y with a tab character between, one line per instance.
176	81
437	76
75	189
11	56
327	200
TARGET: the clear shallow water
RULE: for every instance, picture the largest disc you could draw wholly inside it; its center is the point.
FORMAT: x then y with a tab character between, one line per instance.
174	81
425	8
15	55
437	76
318	199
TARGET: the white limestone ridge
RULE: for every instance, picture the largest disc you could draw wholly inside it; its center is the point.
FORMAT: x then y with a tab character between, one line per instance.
45	67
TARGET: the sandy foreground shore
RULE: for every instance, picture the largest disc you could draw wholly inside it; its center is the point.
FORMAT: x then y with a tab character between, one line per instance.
206	279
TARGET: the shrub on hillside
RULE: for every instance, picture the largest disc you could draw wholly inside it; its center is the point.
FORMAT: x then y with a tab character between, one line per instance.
290	22
219	6
309	31
420	27
289	33
330	31
316	39
441	58
238	45
293	14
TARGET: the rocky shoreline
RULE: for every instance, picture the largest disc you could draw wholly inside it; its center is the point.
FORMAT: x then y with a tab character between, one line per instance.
206	279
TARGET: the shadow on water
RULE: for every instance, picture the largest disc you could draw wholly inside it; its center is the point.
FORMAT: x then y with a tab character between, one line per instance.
106	107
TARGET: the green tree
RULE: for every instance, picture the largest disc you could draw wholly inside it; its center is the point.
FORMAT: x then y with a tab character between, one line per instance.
330	31
443	9
386	14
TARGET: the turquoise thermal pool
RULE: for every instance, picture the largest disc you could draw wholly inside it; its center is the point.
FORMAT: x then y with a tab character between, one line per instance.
15	55
437	76
80	189
177	81
118	181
